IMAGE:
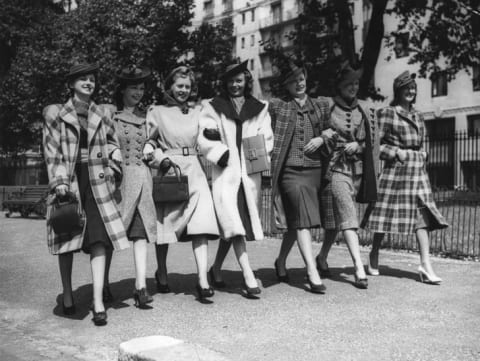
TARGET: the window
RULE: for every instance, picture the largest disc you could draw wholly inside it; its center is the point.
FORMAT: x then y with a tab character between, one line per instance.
243	18
252	64
243	43
473	124
277	13
253	15
476	78
439	84
252	40
401	45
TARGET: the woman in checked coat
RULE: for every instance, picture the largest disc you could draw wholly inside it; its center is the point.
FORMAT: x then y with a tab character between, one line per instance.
80	148
405	203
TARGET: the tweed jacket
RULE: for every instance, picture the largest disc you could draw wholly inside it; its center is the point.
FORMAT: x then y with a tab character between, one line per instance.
61	133
403	186
284	118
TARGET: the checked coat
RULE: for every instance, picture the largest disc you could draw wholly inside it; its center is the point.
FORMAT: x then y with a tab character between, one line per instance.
284	118
61	134
403	186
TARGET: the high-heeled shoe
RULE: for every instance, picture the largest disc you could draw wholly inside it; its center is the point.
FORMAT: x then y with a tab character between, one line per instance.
251	292
213	281
361	283
281	278
68	311
426	277
141	298
370	270
107	295
204	292
316	288
161	288
324	272
99	318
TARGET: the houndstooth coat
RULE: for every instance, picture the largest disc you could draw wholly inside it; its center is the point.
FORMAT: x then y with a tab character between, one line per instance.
402	186
61	134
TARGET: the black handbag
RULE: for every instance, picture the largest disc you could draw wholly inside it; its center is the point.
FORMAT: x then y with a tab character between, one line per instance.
65	214
171	188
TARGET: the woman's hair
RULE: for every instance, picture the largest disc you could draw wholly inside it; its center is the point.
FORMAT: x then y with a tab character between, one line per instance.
118	94
70	82
248	84
396	95
182	72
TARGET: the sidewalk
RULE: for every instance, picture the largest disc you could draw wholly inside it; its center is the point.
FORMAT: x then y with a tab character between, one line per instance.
397	318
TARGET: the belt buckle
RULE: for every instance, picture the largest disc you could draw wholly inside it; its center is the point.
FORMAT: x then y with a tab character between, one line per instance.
185	151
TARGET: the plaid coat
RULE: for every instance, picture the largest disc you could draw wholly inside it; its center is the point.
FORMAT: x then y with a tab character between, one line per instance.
284	118
61	134
402	186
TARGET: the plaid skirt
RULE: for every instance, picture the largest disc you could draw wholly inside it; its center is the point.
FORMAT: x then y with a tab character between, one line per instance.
300	191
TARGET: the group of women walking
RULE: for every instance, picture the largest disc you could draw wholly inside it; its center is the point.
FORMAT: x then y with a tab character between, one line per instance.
319	151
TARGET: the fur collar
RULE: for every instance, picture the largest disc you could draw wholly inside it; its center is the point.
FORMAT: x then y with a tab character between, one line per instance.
251	108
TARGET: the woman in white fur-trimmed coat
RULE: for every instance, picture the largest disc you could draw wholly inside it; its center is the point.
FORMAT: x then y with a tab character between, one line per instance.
224	122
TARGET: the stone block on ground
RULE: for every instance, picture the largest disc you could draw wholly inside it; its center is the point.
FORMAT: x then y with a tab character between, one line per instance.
164	348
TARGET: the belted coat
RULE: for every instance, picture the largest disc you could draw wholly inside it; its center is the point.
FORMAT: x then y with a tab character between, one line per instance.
61	134
402	186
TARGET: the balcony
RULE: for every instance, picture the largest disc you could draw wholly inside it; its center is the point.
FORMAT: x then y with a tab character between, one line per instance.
275	20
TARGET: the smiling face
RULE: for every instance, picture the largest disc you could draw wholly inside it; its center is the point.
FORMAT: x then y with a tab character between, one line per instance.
133	94
297	87
181	89
349	90
236	85
408	93
84	85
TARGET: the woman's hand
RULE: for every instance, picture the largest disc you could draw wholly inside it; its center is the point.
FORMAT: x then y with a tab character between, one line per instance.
117	156
148	152
61	190
352	148
313	145
402	155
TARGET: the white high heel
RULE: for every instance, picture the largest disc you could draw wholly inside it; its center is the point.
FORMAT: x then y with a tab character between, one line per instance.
370	270
425	277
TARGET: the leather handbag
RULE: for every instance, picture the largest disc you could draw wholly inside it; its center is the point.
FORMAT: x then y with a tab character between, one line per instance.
256	157
171	188
65	214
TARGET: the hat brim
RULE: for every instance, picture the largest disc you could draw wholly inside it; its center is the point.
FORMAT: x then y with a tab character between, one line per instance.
88	69
292	76
140	78
237	69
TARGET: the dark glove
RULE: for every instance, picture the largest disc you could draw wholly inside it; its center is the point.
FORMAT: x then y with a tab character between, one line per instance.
223	161
165	165
211	134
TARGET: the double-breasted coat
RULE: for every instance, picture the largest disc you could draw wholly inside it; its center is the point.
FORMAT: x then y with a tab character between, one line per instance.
284	116
175	135
254	120
135	192
61	134
403	186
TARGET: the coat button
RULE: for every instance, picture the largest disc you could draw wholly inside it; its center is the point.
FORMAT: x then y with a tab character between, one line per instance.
101	175
126	131
128	140
99	155
127	155
127	162
138	163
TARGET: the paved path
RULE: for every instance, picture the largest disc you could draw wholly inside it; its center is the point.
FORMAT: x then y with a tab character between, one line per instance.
397	318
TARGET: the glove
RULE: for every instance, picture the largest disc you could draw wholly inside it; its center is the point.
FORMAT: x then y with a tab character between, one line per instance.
61	190
223	161
211	134
148	152
165	165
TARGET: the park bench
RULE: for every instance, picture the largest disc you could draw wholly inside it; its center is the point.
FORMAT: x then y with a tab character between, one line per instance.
32	199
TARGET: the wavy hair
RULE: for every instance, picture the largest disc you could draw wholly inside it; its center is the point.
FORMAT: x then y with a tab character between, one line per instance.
248	85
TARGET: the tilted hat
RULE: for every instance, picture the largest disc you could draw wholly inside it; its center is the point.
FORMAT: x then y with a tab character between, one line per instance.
234	69
403	79
133	74
82	69
346	74
290	73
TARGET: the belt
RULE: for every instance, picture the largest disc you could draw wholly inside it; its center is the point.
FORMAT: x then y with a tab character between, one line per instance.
416	148
185	151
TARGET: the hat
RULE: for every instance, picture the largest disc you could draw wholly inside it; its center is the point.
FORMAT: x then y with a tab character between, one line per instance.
403	79
346	74
81	69
290	73
234	69
183	69
133	74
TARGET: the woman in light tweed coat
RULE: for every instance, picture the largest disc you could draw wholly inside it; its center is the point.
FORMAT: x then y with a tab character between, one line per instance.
80	148
405	202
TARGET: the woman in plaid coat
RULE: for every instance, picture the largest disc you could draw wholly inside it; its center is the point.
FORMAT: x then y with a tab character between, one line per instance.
79	146
405	203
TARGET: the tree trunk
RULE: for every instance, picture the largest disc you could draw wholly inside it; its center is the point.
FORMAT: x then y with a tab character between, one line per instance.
345	32
371	48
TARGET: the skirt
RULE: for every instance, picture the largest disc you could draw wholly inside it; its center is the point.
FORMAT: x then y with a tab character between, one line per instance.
344	189
136	230
95	231
300	189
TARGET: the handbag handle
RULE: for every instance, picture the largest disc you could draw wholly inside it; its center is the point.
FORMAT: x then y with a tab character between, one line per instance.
176	169
69	197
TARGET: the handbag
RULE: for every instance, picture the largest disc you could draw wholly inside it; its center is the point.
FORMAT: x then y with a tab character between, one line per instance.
256	157
171	188
65	214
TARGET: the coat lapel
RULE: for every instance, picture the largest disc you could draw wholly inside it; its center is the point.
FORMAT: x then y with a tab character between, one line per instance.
69	115
94	120
408	116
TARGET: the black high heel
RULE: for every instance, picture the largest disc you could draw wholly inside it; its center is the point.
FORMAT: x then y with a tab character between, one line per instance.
251	292
68	311
141	298
107	295
99	318
316	288
361	283
281	278
324	272
204	292
161	288
216	284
